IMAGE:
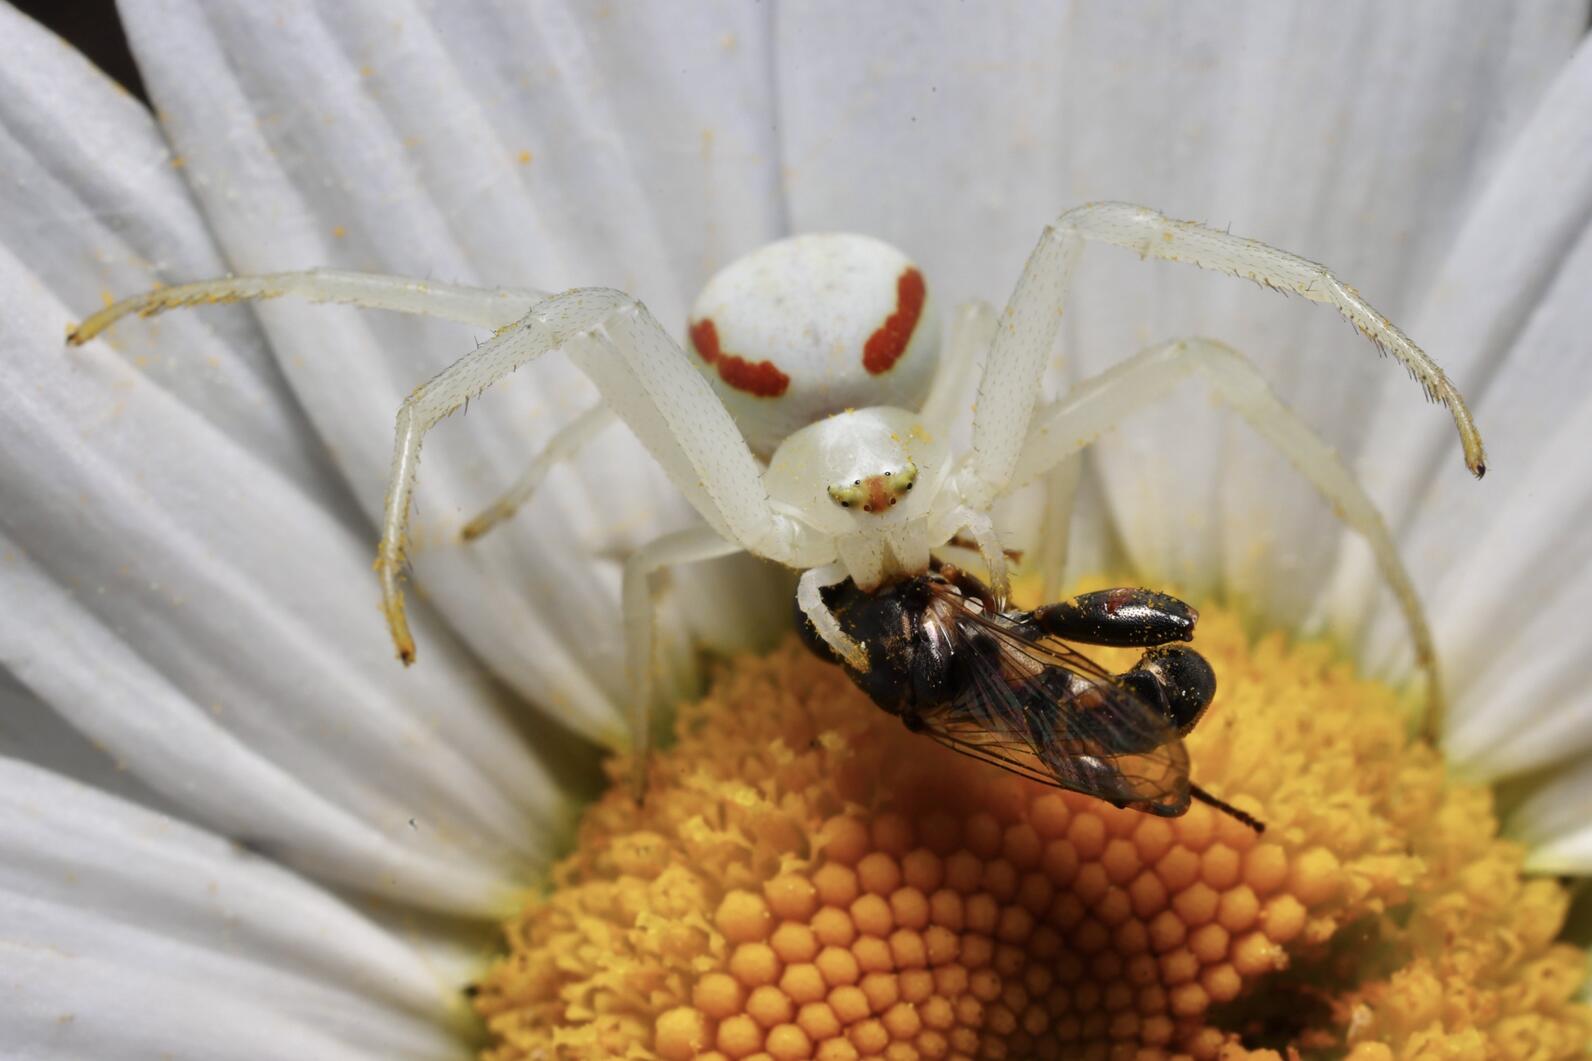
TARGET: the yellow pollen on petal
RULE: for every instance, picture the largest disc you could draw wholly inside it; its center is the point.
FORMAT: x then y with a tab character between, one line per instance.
809	879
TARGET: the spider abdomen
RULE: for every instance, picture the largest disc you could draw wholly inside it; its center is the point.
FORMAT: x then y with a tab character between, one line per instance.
810	326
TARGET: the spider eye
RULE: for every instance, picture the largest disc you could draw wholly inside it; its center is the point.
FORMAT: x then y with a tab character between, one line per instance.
877	492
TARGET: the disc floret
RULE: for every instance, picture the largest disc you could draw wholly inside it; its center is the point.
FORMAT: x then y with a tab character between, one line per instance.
809	879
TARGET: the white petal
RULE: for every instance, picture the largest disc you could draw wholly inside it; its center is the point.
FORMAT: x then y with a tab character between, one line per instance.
1555	823
32	732
1507	559
1518	663
1292	124
127	934
94	204
196	612
186	599
537	147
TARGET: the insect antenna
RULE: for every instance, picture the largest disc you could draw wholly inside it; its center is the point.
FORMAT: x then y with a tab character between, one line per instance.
1227	808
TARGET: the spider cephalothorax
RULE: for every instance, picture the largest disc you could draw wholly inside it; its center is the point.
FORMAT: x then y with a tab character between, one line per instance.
809	423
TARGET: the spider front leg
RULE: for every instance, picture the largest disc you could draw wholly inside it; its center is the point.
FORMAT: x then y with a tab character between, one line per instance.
1103	401
1009	389
643	377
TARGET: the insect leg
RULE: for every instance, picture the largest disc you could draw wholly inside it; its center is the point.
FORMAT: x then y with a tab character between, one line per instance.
1123	618
1055	528
640	606
483	306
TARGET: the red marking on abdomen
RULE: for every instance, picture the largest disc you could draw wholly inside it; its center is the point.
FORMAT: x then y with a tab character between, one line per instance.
885	346
760	378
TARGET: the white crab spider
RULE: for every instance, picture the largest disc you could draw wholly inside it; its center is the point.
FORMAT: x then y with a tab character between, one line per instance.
818	353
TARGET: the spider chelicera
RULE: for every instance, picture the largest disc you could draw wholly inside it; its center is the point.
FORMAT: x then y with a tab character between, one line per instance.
810	425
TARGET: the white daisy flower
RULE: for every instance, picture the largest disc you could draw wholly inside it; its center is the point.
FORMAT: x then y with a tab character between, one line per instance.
232	825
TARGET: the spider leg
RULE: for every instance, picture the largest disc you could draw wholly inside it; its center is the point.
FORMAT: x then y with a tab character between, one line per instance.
483	306
972	330
1009	389
562	446
639	601
951	515
810	598
1055	526
982	528
644	377
1103	401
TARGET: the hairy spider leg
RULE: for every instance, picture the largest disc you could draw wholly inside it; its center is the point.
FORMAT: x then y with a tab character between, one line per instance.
1055	525
564	444
1102	402
1009	388
486	307
971	332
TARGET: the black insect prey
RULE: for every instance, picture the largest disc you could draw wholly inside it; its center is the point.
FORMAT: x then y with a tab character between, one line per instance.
1007	688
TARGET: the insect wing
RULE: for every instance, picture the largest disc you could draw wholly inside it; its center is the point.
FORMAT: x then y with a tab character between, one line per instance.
1037	707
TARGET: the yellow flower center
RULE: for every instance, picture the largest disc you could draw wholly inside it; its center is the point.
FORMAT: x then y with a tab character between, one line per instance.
809	879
